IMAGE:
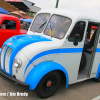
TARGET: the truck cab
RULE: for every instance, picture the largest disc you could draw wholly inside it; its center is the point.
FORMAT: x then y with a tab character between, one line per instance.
9	26
58	44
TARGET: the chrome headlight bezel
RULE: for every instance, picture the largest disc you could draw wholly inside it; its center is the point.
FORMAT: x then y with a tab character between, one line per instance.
17	63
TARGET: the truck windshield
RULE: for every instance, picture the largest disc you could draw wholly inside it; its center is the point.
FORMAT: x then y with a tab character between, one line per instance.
58	26
39	22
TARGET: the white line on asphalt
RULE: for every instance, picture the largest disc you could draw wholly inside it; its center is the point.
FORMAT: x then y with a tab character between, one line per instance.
97	98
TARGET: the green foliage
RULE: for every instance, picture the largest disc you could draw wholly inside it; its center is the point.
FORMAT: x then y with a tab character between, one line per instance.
30	14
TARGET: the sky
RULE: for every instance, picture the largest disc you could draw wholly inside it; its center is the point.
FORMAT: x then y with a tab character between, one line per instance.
89	7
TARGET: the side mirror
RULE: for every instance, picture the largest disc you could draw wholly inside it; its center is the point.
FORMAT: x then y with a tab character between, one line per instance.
3	26
77	38
75	43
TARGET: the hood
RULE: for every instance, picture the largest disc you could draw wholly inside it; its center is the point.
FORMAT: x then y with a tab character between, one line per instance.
18	43
21	41
32	46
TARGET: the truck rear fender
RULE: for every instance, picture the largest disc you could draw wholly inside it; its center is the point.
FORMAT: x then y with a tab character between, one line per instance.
98	72
42	69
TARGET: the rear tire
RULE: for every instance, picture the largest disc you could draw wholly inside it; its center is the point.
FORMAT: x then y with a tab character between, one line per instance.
48	84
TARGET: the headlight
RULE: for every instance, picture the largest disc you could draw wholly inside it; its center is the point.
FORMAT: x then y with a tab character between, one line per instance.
17	63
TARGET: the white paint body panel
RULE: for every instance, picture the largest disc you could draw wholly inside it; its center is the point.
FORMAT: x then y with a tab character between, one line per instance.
28	52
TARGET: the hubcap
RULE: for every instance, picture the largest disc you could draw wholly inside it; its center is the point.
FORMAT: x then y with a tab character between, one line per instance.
48	83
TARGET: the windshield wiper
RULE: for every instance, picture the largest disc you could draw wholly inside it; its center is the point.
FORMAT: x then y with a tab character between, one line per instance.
41	26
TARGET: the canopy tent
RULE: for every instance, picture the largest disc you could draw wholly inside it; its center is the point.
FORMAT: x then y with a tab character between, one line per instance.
3	11
20	14
26	20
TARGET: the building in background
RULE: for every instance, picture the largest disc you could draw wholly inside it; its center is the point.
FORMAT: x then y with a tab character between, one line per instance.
24	5
7	6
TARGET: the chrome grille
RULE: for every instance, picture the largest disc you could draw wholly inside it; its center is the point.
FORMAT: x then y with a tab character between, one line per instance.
7	59
2	55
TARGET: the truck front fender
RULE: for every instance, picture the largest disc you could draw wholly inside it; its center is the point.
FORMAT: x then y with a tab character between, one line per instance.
42	69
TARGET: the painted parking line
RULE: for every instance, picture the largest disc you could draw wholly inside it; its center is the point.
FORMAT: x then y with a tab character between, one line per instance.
97	98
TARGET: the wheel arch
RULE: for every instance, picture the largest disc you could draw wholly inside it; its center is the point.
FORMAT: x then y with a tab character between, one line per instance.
37	73
98	72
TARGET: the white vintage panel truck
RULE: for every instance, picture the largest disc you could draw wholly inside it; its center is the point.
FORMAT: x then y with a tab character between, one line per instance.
57	45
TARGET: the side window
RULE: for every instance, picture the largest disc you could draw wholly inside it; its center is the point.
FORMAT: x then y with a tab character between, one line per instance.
8	24
78	31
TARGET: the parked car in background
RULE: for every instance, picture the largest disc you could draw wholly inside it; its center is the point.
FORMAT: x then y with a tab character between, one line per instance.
25	23
9	26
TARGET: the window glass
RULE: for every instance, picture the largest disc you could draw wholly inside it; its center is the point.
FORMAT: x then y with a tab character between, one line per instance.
58	26
77	30
8	24
24	25
39	22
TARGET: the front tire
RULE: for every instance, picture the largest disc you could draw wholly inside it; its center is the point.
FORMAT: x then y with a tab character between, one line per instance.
48	84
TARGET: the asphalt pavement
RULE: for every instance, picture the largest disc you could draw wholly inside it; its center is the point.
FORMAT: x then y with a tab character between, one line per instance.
86	90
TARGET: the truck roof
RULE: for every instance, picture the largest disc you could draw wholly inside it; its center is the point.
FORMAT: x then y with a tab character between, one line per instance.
71	14
5	15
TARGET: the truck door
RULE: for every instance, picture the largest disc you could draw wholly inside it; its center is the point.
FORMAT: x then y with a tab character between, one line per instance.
7	30
91	51
72	50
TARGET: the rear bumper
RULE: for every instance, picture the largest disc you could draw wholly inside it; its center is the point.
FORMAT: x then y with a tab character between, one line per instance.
13	80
